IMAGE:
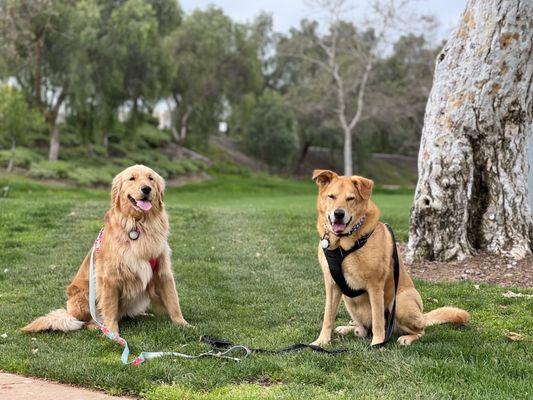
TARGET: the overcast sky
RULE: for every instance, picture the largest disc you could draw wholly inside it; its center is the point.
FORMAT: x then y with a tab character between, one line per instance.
288	13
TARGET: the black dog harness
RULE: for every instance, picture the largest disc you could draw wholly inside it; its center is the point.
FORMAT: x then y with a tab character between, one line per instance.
335	258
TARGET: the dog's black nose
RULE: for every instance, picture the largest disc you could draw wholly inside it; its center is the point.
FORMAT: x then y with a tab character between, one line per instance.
338	213
146	189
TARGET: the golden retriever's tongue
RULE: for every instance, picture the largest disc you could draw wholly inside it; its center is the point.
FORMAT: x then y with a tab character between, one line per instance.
144	205
338	228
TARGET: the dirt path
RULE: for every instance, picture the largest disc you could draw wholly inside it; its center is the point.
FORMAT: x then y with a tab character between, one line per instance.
15	387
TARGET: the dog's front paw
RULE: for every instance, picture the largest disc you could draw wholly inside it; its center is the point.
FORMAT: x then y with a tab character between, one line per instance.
180	322
344	330
377	341
320	342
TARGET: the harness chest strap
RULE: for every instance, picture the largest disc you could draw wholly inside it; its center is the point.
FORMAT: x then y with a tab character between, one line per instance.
335	258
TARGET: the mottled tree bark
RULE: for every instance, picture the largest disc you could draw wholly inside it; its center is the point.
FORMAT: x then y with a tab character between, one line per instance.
472	192
52	118
53	150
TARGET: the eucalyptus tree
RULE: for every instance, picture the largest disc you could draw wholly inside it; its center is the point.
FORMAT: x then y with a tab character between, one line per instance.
126	58
347	52
472	192
305	86
41	42
214	65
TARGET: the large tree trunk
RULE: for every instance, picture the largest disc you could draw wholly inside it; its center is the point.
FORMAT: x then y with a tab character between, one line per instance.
472	190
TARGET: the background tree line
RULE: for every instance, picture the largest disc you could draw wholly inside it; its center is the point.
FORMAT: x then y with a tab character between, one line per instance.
105	66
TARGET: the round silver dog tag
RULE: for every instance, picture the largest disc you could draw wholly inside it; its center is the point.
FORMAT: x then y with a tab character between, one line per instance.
134	235
324	243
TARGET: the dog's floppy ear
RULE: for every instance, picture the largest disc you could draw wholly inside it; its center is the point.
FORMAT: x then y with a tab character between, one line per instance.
363	185
160	182
323	177
116	187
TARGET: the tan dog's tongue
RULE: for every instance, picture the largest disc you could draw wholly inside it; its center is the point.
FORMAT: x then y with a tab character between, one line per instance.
144	205
338	228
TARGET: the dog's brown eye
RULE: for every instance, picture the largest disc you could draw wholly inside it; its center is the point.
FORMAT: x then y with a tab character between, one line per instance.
332	196
150	178
350	198
132	178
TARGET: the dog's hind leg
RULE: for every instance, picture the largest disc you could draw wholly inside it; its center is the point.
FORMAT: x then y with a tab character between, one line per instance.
409	317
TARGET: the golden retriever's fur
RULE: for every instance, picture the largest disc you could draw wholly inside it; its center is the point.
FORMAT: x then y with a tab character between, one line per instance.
369	268
126	283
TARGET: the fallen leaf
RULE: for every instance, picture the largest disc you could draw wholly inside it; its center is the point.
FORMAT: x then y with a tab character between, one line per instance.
476	287
515	337
432	300
3	335
34	351
511	294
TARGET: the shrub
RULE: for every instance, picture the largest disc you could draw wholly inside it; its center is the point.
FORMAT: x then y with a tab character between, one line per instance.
271	134
24	157
150	136
189	166
169	169
91	176
50	170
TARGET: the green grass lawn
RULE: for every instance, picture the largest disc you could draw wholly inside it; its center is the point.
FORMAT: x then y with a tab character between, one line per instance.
244	256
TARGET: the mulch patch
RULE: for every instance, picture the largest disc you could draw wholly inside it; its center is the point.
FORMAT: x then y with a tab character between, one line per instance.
482	268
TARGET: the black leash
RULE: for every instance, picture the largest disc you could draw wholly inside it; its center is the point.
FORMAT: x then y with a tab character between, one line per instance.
392	315
222	344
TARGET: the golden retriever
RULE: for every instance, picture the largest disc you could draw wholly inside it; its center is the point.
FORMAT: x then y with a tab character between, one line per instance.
132	263
344	201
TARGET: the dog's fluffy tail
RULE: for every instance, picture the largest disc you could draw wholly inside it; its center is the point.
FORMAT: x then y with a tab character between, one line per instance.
444	315
57	320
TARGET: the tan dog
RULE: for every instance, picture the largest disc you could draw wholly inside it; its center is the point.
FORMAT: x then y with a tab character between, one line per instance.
132	265
342	203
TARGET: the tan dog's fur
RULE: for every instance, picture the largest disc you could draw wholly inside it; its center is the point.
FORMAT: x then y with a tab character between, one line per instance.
369	268
125	282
